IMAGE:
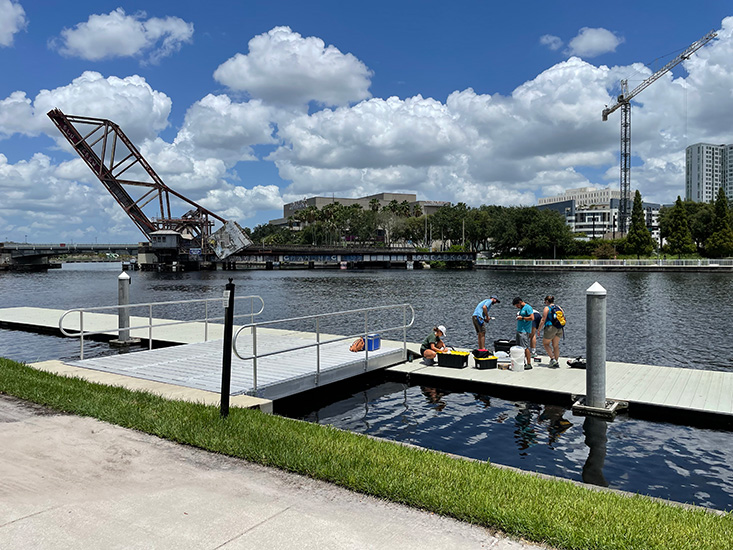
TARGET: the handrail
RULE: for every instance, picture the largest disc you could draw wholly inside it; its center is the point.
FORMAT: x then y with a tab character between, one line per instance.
206	319
318	342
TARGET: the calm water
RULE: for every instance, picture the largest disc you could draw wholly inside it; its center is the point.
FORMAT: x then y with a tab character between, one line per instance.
663	460
665	319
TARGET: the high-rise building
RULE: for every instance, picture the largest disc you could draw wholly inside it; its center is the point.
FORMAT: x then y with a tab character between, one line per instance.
707	168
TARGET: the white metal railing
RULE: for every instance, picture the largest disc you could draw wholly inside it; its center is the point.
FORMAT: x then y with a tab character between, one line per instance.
82	333
703	262
318	343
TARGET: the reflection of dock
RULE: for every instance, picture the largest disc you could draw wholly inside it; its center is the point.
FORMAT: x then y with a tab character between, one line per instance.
667	392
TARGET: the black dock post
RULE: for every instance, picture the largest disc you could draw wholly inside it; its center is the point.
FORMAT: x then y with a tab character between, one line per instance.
226	362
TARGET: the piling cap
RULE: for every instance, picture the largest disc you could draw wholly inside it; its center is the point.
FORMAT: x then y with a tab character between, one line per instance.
596	290
123	275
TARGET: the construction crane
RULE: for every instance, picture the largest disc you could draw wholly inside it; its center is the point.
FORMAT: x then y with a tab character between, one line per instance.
624	103
110	154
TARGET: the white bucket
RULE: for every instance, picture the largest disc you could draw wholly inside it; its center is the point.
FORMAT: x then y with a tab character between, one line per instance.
517	355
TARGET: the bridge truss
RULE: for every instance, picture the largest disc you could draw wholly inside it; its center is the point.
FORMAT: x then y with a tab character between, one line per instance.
134	184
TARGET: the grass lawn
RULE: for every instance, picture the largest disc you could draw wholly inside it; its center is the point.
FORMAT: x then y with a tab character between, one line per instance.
558	513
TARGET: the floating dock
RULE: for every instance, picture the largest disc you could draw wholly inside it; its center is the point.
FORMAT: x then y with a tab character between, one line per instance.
677	393
680	394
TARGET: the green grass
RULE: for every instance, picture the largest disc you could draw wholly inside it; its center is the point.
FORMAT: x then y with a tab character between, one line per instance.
553	512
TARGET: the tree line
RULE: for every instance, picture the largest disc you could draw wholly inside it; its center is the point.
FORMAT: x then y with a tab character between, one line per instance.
501	231
696	227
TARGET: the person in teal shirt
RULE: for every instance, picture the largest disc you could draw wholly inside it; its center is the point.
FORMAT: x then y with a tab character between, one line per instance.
525	316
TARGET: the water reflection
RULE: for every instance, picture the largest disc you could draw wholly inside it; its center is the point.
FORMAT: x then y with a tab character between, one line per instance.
595	430
557	423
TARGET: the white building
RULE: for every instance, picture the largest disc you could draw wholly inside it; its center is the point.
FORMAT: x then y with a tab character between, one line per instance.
707	168
596	217
584	196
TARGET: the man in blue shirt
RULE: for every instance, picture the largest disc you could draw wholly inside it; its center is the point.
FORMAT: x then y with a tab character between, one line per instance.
525	316
481	319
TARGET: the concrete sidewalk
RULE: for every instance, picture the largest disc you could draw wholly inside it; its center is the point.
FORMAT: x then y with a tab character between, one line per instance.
69	482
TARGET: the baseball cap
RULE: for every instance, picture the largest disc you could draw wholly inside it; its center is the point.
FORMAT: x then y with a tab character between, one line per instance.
494	297
441	328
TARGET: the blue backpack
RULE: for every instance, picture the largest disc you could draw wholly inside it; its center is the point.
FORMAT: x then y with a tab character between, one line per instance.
557	316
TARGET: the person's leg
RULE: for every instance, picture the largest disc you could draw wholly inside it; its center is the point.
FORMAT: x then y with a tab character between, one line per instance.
556	346
481	340
429	354
547	344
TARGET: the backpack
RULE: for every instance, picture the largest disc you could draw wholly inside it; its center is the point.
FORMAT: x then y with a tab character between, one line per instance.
557	316
358	345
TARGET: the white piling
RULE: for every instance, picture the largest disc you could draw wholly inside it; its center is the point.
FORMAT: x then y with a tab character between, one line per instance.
123	299
595	346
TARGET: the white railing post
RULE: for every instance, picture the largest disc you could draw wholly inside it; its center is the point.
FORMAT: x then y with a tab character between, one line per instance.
318	350
254	358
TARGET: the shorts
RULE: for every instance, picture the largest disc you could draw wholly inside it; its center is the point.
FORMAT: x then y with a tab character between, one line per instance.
552	332
480	327
522	339
536	321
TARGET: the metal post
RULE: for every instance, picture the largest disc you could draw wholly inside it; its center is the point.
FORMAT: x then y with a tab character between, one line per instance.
595	346
318	351
226	362
123	299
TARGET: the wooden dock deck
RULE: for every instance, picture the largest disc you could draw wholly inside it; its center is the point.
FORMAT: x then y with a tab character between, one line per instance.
682	390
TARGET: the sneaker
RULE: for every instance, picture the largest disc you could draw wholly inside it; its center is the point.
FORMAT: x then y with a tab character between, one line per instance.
527	366
534	353
554	364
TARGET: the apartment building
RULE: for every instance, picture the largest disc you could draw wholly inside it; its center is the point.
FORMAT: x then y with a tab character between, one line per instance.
707	168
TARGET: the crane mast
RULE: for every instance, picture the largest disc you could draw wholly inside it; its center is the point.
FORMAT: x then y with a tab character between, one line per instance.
623	102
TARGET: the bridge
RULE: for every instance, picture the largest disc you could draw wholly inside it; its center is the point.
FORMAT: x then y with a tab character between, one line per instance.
28	256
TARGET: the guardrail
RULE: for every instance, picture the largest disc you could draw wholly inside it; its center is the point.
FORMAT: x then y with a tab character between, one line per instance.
703	262
150	325
318	343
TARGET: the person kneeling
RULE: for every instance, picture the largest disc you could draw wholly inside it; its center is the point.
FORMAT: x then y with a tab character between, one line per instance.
433	344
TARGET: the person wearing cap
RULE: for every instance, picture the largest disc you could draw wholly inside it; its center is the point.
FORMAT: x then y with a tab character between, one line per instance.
433	344
525	318
481	319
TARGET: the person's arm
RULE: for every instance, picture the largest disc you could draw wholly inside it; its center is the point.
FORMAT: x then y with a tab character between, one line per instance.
486	314
544	316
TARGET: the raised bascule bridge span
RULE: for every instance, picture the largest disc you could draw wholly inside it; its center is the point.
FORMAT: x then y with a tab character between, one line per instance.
196	239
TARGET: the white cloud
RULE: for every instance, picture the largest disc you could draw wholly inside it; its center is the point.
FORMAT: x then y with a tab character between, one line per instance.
216	126
117	34
284	68
130	102
12	21
552	42
238	203
593	42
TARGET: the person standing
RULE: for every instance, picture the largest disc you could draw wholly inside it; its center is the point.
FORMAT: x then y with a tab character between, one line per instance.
525	317
535	330
551	334
433	344
481	318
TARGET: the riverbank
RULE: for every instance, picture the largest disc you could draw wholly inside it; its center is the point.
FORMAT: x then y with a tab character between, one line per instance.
560	513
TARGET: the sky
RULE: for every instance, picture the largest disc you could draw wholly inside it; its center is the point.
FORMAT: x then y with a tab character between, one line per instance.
245	106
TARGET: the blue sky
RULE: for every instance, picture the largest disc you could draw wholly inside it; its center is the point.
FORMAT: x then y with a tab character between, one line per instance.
245	106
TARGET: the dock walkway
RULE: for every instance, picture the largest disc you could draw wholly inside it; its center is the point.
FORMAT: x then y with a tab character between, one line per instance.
197	363
684	390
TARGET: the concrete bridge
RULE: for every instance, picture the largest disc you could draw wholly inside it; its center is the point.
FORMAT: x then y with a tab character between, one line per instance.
30	256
